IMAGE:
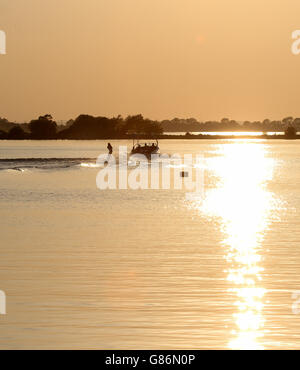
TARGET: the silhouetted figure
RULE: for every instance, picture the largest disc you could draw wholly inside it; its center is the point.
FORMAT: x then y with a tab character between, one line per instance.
109	148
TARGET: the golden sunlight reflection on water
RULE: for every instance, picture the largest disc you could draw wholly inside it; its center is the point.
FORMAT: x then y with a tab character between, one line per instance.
91	269
243	204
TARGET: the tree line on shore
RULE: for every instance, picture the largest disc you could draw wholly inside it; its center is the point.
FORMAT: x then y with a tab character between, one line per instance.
86	127
226	124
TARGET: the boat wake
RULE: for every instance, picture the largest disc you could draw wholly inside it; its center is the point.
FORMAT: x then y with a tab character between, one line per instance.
29	164
23	164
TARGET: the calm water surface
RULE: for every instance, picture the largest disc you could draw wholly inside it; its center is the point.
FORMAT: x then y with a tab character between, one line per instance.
148	269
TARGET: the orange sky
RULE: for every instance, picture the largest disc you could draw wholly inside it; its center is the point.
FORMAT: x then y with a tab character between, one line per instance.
206	59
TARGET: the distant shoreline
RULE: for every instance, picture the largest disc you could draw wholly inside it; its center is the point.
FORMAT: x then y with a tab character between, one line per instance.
173	137
87	127
218	137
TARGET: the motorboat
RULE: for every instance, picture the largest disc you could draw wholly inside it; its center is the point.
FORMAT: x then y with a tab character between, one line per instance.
146	149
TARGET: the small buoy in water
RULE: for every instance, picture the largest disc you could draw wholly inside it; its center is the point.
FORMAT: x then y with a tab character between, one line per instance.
184	174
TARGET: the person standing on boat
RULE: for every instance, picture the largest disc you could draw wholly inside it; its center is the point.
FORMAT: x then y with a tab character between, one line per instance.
109	148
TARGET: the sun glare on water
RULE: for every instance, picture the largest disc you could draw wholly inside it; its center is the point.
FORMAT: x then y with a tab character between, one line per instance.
242	203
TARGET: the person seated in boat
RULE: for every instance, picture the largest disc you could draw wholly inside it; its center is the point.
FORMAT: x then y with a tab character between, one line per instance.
109	148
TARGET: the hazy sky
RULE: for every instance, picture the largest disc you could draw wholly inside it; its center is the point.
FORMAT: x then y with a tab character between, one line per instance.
206	59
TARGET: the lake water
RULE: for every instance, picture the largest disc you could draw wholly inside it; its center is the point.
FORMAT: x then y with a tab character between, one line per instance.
150	269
